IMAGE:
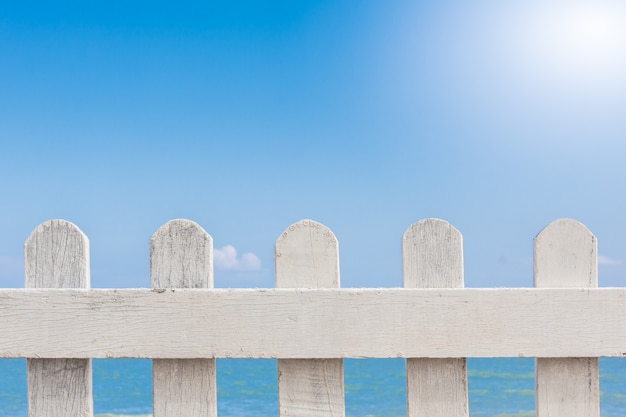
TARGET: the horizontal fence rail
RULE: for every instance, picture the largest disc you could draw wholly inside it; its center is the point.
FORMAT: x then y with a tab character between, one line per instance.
309	323
324	323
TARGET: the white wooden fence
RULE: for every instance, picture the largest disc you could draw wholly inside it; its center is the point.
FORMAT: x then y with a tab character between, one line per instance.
309	323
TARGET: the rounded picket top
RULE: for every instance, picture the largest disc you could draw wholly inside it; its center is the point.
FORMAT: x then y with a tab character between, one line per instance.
432	255
56	255
306	256
567	226
565	255
181	256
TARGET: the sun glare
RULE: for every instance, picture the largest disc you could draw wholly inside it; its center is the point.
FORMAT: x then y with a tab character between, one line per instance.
588	35
579	42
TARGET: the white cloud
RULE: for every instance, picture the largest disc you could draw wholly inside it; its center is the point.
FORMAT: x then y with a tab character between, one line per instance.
226	258
605	260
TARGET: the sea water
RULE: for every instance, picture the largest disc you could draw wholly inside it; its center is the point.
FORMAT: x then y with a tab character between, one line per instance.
373	387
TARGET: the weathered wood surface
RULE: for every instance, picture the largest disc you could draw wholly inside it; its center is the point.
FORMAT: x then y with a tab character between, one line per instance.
300	323
432	257
184	387
181	256
566	256
306	256
56	255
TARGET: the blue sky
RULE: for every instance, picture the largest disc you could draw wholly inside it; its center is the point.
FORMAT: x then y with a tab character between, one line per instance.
364	115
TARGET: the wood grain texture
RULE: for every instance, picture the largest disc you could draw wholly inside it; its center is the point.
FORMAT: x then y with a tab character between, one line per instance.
184	387
300	323
432	254
181	256
306	256
56	255
310	387
566	256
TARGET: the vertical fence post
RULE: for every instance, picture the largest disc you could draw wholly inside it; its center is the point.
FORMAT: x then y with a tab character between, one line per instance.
432	257
306	256
565	255
56	255
181	256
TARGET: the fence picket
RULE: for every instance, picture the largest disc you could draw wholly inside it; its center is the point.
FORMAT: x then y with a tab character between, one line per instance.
565	255
181	256
309	323
306	256
432	255
56	255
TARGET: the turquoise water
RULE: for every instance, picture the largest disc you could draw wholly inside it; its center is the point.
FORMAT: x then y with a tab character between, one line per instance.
373	387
